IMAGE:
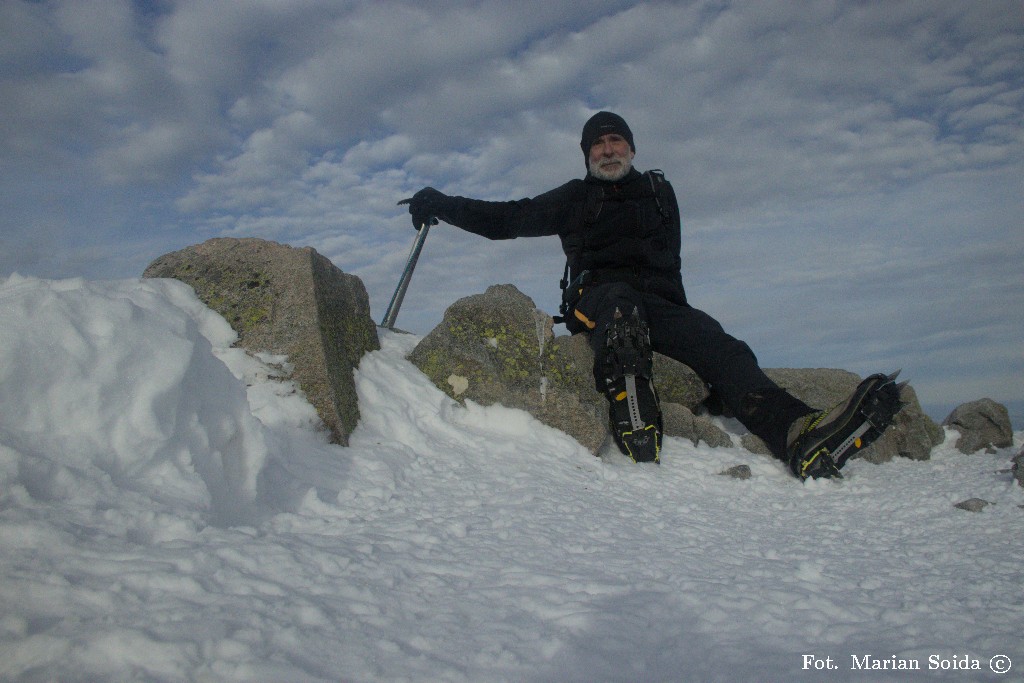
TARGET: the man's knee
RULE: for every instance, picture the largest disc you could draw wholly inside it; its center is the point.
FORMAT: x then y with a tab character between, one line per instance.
623	349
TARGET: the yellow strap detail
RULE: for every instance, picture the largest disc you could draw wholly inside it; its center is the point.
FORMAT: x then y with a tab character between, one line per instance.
584	319
806	464
621	396
657	443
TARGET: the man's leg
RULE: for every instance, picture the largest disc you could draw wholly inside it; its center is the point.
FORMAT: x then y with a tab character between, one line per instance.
816	446
694	338
598	306
623	367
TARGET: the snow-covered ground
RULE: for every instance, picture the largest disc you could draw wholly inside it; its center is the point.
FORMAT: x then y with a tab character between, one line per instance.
168	513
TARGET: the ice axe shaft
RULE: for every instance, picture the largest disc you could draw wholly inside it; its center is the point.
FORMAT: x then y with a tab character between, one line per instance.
403	284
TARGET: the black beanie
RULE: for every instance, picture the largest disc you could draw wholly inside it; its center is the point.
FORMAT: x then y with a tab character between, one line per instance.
603	123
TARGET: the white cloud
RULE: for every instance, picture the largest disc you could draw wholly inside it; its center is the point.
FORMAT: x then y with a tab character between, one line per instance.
808	141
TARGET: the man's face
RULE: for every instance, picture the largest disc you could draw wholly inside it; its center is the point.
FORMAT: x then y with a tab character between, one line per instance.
610	157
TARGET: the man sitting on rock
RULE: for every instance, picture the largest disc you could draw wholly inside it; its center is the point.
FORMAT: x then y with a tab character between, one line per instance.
620	231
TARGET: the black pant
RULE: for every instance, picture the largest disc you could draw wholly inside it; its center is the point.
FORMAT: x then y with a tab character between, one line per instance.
694	338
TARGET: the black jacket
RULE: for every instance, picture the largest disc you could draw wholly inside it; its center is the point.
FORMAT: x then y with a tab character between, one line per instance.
627	230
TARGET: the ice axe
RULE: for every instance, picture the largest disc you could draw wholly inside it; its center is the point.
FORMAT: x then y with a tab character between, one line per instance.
403	284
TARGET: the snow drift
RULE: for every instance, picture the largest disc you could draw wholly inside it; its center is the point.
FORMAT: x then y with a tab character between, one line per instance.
170	512
115	388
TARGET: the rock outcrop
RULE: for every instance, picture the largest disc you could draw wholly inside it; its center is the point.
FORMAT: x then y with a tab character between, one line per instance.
497	347
982	424
291	301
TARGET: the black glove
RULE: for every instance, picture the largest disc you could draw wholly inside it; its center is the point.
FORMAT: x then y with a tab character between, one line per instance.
425	206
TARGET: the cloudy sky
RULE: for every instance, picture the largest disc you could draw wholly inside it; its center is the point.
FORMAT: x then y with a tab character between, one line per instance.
850	173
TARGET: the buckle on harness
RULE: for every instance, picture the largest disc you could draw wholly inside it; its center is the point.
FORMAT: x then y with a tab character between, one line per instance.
570	294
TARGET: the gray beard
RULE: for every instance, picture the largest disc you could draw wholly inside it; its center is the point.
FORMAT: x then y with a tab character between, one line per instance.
611	175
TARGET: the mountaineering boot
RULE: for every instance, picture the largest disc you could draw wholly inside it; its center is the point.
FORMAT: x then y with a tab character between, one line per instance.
633	410
819	444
